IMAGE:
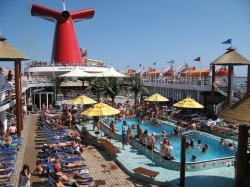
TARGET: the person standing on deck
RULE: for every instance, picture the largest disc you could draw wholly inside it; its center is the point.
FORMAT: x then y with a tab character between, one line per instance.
124	134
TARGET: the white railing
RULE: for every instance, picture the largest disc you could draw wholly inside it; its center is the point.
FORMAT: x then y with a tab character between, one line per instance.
176	81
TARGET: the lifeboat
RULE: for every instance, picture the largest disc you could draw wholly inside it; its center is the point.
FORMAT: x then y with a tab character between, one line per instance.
153	73
222	72
195	73
168	74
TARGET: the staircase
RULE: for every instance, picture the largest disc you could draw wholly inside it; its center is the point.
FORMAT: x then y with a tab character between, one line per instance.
237	92
221	106
8	98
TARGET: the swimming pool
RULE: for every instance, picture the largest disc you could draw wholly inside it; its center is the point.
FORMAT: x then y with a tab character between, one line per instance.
215	157
215	150
148	125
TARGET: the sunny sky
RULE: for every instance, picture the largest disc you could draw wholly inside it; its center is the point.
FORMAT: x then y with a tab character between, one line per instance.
133	32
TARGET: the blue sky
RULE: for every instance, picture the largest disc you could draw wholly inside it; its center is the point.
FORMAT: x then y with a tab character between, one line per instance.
134	32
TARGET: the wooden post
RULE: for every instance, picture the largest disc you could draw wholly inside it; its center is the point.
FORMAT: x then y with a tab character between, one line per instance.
248	79
213	80
241	156
183	161
18	90
229	88
21	93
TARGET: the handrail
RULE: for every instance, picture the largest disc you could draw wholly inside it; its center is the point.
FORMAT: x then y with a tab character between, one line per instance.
10	96
221	106
223	89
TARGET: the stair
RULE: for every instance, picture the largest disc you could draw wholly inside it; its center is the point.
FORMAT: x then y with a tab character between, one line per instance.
238	92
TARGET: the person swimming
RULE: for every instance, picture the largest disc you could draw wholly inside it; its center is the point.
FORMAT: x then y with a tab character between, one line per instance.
199	144
193	158
191	144
222	141
230	147
203	149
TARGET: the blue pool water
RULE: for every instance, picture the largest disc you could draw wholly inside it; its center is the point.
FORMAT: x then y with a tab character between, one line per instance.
215	150
149	125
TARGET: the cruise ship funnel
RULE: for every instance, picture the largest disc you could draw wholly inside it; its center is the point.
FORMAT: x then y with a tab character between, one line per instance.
66	50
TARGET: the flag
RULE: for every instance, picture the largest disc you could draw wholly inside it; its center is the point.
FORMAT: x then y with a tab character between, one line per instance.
229	41
154	63
170	62
198	59
84	52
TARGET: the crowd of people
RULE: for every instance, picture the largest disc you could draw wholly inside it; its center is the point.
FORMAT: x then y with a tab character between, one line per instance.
63	148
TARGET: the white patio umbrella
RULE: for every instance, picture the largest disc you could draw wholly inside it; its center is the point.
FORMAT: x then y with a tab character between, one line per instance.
76	72
111	72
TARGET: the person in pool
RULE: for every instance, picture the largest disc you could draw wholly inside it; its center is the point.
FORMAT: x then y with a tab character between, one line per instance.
191	144
204	149
193	158
164	133
222	141
199	144
230	147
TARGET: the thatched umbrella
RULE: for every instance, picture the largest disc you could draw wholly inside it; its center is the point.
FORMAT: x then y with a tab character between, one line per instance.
240	113
230	58
9	53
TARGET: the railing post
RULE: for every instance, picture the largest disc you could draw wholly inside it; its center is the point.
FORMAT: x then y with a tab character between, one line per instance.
183	161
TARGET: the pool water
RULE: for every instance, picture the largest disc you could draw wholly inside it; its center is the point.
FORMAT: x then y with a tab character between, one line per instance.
148	125
215	150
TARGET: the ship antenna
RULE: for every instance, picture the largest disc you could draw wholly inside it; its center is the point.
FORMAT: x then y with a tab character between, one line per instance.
64	5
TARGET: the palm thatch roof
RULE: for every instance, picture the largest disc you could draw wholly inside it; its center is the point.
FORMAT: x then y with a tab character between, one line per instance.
238	112
231	57
9	53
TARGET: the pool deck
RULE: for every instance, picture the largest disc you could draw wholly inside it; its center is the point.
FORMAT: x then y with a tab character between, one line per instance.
131	158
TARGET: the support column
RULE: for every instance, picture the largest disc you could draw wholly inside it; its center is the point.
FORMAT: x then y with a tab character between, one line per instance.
241	156
248	79
229	88
213	80
18	90
183	161
21	92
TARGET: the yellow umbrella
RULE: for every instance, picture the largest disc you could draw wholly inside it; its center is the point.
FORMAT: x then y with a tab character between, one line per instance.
188	103
82	100
100	109
156	97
